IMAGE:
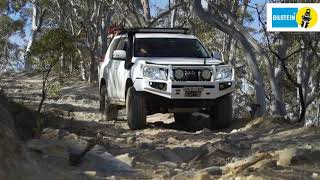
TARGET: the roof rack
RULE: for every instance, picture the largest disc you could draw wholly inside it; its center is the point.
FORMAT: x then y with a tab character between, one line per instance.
155	30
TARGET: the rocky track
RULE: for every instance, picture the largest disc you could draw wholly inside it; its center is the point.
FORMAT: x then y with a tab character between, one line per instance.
77	141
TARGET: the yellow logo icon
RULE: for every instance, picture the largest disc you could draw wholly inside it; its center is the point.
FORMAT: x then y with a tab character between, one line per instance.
307	17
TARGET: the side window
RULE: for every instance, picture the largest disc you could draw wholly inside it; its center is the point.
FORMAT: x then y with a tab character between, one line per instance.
123	44
113	46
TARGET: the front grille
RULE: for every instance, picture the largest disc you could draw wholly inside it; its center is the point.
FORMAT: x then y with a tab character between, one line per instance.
191	75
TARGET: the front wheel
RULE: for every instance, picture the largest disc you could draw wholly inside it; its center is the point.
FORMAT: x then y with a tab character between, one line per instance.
136	109
110	111
221	113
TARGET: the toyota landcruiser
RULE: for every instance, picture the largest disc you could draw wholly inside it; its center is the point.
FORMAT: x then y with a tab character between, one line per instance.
150	71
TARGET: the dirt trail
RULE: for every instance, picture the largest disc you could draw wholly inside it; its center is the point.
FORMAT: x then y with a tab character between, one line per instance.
258	149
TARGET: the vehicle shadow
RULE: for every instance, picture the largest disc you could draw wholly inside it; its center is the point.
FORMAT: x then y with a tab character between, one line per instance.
198	123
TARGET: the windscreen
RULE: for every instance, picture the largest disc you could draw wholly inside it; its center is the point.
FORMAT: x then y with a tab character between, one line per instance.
169	47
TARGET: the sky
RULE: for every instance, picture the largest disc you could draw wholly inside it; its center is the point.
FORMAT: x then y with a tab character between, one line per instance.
155	5
27	29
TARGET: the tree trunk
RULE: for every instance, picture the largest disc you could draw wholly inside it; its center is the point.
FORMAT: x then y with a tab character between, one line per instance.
93	74
103	34
300	70
233	52
146	11
258	80
83	73
173	16
233	45
34	32
246	44
37	20
280	108
62	66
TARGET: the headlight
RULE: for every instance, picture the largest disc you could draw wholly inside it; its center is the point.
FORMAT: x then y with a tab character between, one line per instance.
155	73
206	74
224	73
179	74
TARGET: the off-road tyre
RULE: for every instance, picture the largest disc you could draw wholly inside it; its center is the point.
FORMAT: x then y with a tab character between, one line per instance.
136	109
107	110
221	113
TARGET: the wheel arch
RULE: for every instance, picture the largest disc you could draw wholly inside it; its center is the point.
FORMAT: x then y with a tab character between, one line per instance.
102	82
129	83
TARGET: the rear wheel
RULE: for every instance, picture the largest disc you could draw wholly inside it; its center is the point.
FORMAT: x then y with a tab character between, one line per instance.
136	109
110	111
221	113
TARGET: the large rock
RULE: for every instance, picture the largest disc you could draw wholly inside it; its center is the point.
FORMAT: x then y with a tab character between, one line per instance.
177	155
99	160
8	142
52	134
49	148
14	164
202	175
18	118
126	159
77	147
59	146
17	163
285	156
193	175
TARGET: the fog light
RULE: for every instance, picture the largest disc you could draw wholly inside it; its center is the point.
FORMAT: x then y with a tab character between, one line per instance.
225	85
178	74
160	86
206	74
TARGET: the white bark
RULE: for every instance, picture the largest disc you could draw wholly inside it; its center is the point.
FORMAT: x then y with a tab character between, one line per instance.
173	16
280	108
146	10
94	26
37	21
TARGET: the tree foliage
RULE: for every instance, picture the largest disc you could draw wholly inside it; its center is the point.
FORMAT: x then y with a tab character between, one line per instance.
50	47
47	52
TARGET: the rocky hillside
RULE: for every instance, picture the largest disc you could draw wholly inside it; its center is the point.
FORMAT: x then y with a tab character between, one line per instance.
78	144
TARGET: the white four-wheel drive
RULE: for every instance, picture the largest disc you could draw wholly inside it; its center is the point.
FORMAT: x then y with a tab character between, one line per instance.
152	71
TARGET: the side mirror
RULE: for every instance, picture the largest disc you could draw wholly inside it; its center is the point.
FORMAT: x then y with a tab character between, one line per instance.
217	55
119	55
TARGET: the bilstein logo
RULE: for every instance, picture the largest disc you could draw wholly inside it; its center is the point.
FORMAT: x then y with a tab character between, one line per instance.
305	17
284	17
293	17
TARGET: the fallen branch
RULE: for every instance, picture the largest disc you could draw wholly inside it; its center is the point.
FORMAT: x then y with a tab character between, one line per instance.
249	162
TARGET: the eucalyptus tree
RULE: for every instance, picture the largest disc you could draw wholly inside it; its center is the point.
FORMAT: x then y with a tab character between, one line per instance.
93	19
39	11
137	13
303	50
253	50
239	33
9	27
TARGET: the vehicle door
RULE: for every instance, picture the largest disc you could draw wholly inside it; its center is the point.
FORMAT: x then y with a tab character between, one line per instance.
121	72
110	71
